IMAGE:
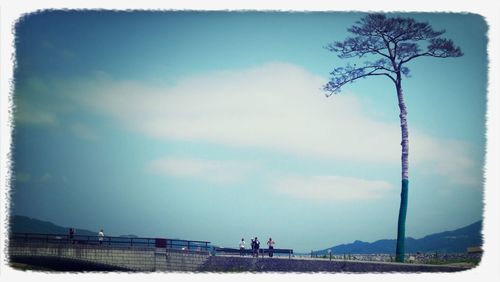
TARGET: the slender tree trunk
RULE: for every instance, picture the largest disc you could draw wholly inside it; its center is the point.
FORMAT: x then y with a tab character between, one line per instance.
400	245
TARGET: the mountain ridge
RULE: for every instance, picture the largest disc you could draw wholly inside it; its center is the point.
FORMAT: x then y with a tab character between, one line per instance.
25	224
455	241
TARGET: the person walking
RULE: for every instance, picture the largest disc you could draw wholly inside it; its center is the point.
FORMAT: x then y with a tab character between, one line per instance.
242	247
270	244
101	236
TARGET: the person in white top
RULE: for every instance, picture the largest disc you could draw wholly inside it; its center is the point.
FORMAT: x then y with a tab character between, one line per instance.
101	236
270	243
242	247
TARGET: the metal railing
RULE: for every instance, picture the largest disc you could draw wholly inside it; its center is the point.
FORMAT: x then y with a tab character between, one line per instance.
262	252
177	244
424	258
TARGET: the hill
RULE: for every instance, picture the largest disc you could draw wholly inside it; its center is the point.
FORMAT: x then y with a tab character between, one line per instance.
455	241
24	224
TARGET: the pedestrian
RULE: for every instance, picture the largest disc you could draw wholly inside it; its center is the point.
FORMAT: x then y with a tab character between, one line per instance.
257	246
242	247
71	235
101	236
270	243
253	247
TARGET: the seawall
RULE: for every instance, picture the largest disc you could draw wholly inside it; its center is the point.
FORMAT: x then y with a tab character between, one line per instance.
245	264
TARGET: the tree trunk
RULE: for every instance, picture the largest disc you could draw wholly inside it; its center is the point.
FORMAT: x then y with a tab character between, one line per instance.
400	245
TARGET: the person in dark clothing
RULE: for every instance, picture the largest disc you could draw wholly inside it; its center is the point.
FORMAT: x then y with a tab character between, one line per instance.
71	235
252	244
257	246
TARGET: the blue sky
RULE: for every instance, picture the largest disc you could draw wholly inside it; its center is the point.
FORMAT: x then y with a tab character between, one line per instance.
212	126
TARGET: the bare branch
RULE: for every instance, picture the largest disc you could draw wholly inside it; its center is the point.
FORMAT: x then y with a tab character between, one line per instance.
342	76
357	47
401	62
438	48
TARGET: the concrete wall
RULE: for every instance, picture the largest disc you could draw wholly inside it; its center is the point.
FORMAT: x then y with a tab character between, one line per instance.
238	264
124	258
178	260
105	258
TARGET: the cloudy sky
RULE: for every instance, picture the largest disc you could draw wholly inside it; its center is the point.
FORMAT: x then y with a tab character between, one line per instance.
213	126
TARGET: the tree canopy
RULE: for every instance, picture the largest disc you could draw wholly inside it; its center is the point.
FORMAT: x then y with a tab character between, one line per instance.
394	40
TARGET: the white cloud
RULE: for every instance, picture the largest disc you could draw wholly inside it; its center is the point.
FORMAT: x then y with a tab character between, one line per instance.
451	160
219	172
83	131
29	115
276	106
23	177
46	177
332	188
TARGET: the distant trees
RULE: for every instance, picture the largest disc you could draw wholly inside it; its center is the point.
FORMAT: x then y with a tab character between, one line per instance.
389	43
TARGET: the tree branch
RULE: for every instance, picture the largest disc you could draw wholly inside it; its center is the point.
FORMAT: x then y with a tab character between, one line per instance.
437	48
342	76
401	62
357	47
394	40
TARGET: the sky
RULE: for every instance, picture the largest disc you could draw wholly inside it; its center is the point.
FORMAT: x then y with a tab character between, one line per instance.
213	126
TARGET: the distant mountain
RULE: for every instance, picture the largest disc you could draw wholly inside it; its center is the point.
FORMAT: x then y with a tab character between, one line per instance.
24	224
129	236
455	241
